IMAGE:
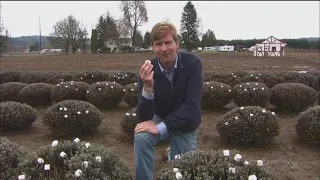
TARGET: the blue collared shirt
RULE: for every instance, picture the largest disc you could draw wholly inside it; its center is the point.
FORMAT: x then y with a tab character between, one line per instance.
169	74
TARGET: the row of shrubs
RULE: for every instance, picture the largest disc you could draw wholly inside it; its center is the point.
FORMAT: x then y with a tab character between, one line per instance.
294	97
106	95
85	161
89	77
241	125
269	78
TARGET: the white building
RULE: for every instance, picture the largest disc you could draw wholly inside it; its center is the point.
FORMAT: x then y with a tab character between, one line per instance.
112	44
270	47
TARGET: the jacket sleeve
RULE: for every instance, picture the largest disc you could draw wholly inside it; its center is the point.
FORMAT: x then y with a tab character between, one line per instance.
190	110
145	109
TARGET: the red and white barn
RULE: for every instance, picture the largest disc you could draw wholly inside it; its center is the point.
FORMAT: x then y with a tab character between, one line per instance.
270	47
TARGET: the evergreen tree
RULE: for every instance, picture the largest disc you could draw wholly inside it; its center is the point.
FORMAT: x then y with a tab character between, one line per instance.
146	40
189	27
208	39
94	41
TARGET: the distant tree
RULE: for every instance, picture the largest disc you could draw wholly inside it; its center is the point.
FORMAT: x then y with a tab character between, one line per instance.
100	29
134	15
94	42
69	32
139	39
190	24
208	39
146	40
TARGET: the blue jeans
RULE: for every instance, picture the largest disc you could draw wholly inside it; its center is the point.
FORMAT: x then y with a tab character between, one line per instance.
144	148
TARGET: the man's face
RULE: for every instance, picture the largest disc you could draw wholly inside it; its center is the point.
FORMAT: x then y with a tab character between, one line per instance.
165	48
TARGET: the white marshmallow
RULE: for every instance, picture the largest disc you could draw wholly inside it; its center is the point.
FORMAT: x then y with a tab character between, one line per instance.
78	173
226	153
237	157
178	176
260	163
252	177
54	143
22	177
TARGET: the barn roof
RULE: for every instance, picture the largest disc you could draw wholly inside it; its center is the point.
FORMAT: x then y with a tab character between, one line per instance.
272	40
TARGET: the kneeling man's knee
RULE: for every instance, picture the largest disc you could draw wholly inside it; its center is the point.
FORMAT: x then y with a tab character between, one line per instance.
144	139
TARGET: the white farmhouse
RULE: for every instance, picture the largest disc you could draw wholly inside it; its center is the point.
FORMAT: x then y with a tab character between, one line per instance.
270	47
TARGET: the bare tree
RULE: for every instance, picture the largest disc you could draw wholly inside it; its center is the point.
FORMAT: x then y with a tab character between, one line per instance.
69	32
134	15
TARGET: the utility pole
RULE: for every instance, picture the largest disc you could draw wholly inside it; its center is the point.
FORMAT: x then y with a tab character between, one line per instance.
40	34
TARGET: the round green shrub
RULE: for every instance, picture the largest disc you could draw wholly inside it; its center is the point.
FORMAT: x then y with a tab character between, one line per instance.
36	77
105	95
269	78
11	155
91	77
230	79
69	91
300	77
36	94
251	94
10	91
213	164
14	115
66	158
131	96
292	96
61	77
215	95
97	162
10	76
56	155
122	78
72	117
308	125
129	122
317	75
248	125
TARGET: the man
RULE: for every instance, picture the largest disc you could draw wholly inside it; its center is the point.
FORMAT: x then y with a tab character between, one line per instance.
170	90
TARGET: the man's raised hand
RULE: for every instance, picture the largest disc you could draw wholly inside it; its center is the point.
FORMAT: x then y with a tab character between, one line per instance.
146	75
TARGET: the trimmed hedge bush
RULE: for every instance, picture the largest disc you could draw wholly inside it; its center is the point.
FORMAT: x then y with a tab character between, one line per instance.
122	78
230	79
36	77
61	77
10	91
10	76
215	95
302	77
268	78
11	155
131	94
251	94
308	125
214	164
109	167
248	125
105	95
295	97
129	122
74	160
14	115
91	77
69	91
36	94
72	117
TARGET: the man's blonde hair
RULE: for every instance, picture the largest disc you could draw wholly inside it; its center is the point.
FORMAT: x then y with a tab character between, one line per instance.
161	29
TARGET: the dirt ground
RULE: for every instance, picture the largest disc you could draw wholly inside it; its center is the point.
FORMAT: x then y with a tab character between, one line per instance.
133	61
288	157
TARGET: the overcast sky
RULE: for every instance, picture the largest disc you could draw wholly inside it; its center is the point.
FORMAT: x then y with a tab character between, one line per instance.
228	20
